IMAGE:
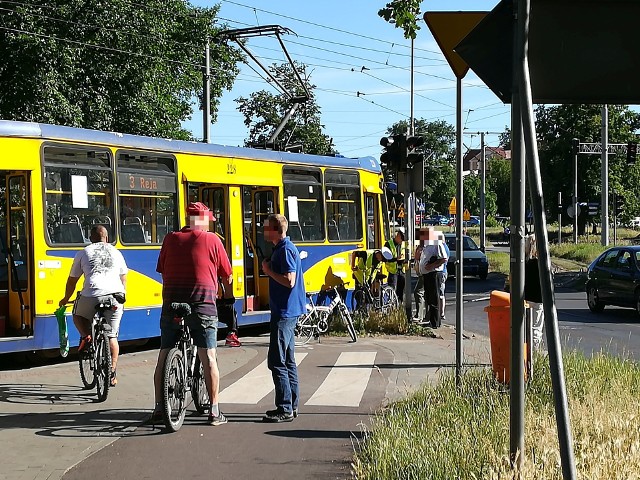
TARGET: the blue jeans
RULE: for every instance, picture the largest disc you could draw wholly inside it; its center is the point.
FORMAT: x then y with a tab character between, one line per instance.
282	363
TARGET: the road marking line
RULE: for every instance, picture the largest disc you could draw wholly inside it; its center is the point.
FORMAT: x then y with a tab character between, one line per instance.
254	386
346	382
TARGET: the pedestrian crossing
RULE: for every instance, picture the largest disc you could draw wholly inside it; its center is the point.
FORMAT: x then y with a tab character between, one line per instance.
344	385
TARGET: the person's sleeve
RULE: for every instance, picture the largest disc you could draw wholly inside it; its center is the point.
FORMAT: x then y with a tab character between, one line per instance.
123	265
76	267
162	256
442	251
289	261
224	266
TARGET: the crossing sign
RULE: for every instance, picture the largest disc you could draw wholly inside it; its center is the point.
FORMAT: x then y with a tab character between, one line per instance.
401	212
453	206
466	216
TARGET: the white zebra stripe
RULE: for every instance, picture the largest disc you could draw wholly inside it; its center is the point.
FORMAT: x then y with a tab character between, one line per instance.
347	381
254	386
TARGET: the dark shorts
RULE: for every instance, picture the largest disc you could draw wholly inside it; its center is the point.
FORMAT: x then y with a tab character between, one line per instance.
203	328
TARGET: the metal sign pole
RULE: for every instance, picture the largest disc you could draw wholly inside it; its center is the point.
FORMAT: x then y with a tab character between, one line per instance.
516	381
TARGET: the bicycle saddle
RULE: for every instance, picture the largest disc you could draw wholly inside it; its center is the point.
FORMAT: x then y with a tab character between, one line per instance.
380	276
181	309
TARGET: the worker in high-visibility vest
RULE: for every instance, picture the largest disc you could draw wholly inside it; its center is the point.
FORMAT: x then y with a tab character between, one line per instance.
396	266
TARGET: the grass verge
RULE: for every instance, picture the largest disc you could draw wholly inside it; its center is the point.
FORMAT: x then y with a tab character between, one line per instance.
441	432
392	323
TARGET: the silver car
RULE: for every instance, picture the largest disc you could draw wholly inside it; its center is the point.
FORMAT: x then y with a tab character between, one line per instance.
475	261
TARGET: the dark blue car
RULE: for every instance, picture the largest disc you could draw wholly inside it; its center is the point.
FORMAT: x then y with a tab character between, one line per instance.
614	279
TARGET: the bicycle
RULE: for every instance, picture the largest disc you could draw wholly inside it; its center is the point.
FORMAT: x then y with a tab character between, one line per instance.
182	372
316	320
364	299
95	360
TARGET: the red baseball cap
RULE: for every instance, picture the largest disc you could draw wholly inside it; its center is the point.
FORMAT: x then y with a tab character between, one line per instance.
196	209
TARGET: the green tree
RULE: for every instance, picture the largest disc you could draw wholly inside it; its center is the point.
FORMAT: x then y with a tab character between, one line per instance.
264	110
499	184
557	125
472	185
404	14
439	152
119	65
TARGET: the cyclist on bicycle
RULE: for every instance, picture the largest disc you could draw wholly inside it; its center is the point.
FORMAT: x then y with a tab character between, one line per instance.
105	274
191	261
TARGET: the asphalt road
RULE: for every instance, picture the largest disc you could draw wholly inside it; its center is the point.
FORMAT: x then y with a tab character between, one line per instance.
615	331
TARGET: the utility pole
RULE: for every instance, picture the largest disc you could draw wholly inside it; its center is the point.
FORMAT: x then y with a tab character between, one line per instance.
605	176
559	218
576	150
483	192
206	100
410	224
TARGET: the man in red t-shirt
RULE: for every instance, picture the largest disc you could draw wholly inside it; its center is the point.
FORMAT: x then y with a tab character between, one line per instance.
191	261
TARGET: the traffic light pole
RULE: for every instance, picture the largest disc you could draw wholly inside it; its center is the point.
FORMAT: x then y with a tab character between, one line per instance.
483	192
605	177
459	244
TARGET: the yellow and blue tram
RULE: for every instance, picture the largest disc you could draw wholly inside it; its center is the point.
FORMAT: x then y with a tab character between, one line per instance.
57	182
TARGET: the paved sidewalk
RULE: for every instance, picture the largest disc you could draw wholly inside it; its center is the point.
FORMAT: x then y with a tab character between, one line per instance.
48	423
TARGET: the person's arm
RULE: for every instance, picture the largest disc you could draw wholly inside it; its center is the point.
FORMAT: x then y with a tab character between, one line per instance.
71	287
286	279
123	279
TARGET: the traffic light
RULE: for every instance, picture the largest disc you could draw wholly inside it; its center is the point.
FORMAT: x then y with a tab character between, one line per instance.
395	150
575	146
632	149
413	156
619	204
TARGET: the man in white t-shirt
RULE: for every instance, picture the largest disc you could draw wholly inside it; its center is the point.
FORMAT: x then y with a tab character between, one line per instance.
433	264
105	274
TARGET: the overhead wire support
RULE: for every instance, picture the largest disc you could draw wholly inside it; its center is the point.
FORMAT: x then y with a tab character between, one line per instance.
238	34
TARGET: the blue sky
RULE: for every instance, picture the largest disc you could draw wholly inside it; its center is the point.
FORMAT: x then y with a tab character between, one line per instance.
336	40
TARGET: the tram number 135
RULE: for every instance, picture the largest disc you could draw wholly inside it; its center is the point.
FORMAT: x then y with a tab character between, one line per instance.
231	169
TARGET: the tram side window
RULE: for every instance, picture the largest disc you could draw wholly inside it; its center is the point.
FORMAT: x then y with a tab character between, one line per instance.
147	194
344	208
78	193
214	198
305	188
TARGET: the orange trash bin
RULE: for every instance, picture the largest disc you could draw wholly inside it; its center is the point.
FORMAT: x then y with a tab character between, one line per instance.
499	314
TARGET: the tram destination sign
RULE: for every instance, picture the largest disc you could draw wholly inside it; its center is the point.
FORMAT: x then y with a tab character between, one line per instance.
144	182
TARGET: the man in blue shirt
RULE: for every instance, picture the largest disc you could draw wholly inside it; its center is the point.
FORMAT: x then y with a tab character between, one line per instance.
287	300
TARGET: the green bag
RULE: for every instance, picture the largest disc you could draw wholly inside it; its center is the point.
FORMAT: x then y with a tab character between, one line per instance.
62	330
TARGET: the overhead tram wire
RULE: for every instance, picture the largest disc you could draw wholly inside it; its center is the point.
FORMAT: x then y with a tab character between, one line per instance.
101	47
405	89
348	45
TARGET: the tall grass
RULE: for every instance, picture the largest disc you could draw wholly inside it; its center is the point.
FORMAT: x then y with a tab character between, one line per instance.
498	262
442	432
582	252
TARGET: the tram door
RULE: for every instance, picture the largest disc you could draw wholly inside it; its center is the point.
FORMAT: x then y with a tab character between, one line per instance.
257	204
16	282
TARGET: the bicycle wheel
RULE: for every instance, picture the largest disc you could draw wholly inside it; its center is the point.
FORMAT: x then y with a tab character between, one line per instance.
346	317
199	389
389	299
87	368
103	366
304	329
174	377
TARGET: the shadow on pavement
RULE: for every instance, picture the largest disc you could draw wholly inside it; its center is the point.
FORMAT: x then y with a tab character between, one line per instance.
39	394
318	434
104	423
